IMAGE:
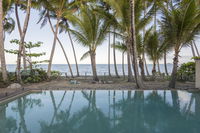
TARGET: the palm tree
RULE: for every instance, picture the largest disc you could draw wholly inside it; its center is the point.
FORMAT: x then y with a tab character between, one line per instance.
58	8
64	26
138	80
46	14
22	38
122	48
154	49
90	31
2	53
114	54
180	25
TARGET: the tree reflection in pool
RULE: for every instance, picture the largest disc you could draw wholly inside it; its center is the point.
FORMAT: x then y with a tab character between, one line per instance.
102	112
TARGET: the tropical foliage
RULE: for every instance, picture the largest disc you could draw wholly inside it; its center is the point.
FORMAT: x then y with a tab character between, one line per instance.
141	30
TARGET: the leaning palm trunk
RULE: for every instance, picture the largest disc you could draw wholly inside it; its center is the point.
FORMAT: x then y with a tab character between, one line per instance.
114	56
172	83
109	73
146	67
165	63
70	69
26	22
193	52
93	63
138	80
77	70
123	64
20	33
53	49
2	53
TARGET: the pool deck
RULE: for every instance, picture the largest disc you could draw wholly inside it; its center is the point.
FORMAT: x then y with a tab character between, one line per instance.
86	84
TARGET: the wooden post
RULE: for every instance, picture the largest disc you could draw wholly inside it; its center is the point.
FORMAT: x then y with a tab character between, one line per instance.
197	81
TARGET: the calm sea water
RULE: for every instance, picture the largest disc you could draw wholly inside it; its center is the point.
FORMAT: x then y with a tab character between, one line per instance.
102	112
86	68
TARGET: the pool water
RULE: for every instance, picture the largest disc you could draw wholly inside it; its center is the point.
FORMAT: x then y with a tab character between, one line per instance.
102	112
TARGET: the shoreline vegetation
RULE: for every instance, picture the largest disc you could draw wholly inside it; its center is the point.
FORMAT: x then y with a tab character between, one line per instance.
140	30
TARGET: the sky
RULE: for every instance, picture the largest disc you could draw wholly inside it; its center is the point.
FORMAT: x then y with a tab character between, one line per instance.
35	34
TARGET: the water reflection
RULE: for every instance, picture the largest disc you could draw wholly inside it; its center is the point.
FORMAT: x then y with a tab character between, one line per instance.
102	112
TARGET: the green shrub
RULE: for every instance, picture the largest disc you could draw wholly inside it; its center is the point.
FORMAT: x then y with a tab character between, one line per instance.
186	72
34	76
55	74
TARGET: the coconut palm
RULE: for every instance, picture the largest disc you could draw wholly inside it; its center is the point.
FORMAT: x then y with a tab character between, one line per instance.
122	16
22	37
90	31
58	7
64	26
114	53
180	25
134	53
8	26
122	48
2	53
154	49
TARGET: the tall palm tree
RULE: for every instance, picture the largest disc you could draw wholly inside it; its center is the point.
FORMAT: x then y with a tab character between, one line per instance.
152	47
180	25
64	26
58	7
2	52
122	48
46	14
114	54
22	38
138	79
90	31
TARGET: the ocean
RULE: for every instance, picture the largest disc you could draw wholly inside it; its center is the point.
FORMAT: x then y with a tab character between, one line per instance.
85	69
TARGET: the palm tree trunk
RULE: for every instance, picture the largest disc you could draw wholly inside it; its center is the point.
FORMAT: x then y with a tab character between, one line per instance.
144	30
77	70
172	83
158	65
196	48
109	73
53	49
155	16
154	68
2	52
130	74
70	69
175	100
138	80
93	63
193	52
145	63
26	22
165	63
114	55
20	33
123	64
141	65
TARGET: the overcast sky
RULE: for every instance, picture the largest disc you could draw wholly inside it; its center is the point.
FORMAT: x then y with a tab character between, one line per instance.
45	35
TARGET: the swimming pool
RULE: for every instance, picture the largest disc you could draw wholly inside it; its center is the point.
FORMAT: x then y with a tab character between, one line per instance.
102	111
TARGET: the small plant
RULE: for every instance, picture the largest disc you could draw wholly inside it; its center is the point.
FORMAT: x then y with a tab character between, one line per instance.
55	74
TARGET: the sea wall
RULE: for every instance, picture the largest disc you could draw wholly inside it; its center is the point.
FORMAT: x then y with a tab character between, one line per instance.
197	81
